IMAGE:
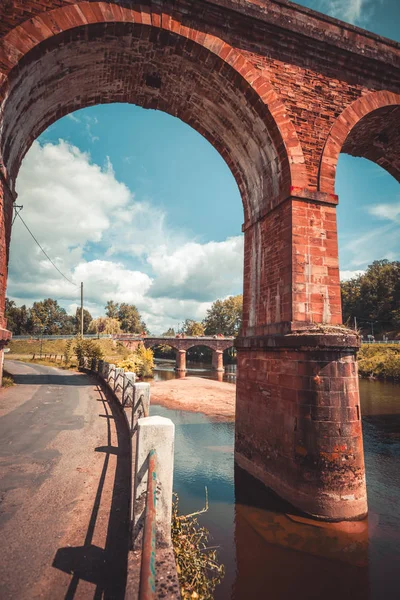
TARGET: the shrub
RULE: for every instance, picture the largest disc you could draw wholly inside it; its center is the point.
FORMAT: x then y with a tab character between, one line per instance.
197	565
140	362
379	360
68	352
87	349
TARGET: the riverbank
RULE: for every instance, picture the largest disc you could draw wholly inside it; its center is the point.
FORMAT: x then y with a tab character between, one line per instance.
195	394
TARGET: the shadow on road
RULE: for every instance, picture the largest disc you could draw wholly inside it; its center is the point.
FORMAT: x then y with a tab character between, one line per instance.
106	568
37	379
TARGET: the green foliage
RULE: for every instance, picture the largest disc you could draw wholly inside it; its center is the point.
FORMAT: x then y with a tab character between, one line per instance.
127	315
44	318
107	325
379	360
68	352
87	319
198	569
224	316
112	309
18	318
140	362
192	328
8	380
374	296
87	349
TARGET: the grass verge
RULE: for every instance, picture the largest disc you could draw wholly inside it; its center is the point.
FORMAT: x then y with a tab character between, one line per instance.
8	379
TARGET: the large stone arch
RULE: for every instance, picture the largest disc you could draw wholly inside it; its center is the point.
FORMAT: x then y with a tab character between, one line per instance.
295	371
368	128
59	48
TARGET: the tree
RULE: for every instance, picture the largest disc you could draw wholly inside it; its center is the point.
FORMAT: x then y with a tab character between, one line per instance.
18	318
374	297
87	319
130	319
48	317
104	325
169	333
112	309
224	316
193	328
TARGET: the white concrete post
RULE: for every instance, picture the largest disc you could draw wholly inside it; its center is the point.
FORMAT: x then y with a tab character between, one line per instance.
141	399
105	371
119	381
154	433
111	375
127	393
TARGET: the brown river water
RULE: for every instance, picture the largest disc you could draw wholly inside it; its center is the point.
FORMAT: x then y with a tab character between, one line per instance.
268	550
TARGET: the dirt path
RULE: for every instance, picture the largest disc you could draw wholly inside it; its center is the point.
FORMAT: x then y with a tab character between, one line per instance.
195	394
64	488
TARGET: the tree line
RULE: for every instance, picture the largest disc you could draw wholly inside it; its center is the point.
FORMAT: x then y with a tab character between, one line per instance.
47	317
224	317
372	300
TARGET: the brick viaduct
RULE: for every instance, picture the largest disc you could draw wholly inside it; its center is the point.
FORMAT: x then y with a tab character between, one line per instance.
182	345
280	91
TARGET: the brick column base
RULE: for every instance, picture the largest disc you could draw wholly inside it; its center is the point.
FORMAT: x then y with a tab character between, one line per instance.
298	420
218	360
180	360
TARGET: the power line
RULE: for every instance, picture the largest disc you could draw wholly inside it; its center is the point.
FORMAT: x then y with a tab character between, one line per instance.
44	252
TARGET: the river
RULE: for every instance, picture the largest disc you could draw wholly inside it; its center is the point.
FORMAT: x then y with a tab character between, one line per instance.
269	551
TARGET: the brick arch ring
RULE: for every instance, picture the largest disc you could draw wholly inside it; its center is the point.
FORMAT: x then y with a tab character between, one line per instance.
341	129
30	34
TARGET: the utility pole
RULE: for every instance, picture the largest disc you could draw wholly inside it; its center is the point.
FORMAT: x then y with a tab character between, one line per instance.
82	308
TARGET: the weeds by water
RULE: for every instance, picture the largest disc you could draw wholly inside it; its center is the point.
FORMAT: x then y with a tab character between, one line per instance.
197	563
8	380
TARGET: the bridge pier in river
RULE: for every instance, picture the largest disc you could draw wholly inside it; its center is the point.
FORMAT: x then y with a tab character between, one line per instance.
218	360
180	361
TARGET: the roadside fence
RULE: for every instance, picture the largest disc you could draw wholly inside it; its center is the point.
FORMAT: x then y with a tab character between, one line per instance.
152	446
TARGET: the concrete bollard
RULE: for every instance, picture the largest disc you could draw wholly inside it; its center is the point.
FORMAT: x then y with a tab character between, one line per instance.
127	392
100	365
111	375
93	365
106	368
119	382
154	433
141	399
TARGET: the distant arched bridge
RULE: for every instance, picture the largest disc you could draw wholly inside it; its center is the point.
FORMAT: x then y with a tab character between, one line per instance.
181	345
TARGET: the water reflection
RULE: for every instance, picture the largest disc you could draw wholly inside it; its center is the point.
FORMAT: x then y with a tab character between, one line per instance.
268	549
165	370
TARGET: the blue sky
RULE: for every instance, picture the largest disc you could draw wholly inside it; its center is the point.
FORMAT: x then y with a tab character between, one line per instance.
143	209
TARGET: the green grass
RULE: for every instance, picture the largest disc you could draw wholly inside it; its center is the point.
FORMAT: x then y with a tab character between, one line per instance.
8	379
381	361
22	349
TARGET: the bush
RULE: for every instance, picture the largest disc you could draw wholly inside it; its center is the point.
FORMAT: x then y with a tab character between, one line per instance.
68	352
87	349
379	360
197	565
140	362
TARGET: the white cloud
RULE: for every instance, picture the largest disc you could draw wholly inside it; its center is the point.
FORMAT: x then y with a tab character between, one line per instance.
201	271
96	232
390	212
346	275
357	12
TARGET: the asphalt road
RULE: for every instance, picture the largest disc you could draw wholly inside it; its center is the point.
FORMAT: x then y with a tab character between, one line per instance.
64	488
